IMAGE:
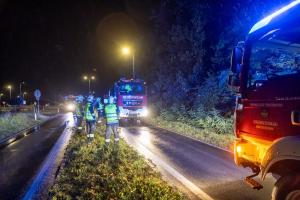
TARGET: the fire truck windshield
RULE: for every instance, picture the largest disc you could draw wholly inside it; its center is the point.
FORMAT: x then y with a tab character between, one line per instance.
131	89
276	54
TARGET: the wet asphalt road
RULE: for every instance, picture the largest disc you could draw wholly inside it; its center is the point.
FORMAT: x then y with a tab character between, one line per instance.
196	168
20	161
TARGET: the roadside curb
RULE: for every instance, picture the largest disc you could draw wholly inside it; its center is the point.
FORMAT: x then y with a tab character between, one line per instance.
8	140
187	136
49	169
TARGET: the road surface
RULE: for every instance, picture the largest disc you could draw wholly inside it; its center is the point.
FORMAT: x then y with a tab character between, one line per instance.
20	161
200	170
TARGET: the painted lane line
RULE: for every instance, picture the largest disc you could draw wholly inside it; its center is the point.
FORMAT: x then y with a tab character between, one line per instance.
187	183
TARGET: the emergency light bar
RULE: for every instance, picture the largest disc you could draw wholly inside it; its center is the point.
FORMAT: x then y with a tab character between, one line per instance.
267	20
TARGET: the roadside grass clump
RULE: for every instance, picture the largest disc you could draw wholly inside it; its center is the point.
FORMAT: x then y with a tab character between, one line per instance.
210	127
11	123
201	108
92	171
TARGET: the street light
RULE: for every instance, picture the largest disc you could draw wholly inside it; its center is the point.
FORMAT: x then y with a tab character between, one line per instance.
126	51
9	87
21	83
89	78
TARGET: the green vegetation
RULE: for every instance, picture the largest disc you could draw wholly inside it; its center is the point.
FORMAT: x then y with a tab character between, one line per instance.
210	127
11	123
93	172
207	117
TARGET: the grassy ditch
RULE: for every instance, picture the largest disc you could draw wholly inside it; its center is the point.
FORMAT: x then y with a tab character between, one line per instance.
11	123
92	172
212	129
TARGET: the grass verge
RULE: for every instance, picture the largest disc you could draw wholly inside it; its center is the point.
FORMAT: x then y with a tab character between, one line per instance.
92	172
13	123
205	134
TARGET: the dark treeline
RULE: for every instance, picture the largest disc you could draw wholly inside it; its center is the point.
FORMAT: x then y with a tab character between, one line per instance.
192	51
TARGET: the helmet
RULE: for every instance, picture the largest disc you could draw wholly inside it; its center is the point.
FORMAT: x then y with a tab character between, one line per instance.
79	98
90	98
111	99
105	101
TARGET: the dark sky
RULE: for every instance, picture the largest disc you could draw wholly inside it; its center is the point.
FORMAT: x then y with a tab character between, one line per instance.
51	44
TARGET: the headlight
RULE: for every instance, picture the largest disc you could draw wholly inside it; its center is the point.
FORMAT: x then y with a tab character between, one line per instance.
70	107
123	112
144	112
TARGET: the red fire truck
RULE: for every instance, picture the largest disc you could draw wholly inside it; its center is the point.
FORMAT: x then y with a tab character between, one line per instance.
131	99
266	74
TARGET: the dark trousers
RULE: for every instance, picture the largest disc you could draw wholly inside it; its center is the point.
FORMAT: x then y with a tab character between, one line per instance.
111	128
89	127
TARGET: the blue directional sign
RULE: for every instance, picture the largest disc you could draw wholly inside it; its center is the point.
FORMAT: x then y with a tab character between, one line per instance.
37	94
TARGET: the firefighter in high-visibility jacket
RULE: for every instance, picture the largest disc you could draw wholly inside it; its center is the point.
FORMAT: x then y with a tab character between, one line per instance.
112	120
79	111
99	107
90	118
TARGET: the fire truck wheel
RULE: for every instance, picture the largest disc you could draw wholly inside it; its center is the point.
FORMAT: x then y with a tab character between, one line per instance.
287	188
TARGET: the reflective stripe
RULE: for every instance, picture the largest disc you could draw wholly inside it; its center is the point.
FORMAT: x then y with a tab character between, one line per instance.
88	114
107	140
111	113
78	109
117	139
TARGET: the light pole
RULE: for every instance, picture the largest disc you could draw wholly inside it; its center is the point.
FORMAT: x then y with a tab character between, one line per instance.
1	95
126	51
21	83
89	79
9	88
24	93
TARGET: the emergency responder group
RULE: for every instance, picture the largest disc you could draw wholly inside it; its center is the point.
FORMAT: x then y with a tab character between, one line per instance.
92	111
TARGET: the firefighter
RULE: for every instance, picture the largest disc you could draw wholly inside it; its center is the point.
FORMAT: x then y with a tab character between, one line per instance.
99	107
112	120
90	118
79	111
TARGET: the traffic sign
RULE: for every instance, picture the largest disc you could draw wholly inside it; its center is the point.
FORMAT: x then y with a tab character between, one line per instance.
37	94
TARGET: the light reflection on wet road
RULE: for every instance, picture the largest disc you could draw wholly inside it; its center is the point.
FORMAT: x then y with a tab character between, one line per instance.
196	168
20	160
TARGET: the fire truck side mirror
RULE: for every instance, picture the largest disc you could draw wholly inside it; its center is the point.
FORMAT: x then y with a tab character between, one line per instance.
233	80
236	64
236	59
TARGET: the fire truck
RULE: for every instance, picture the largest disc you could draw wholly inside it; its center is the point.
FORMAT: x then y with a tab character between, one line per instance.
265	71
131	98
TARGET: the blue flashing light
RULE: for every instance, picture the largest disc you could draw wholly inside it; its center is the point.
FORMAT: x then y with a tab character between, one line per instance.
267	20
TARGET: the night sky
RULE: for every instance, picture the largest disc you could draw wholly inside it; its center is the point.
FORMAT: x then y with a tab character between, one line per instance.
51	44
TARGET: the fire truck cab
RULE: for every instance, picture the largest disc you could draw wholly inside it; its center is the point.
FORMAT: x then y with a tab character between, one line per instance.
131	98
265	70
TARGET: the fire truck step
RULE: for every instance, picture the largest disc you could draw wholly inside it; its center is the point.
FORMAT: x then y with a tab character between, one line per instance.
253	183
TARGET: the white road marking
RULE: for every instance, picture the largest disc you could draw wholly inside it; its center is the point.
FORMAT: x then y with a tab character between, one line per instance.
187	183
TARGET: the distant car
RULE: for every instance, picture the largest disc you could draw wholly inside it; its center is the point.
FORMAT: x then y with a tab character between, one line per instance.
69	106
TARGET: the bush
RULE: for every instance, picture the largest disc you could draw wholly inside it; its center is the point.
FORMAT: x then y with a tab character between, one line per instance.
92	172
209	126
